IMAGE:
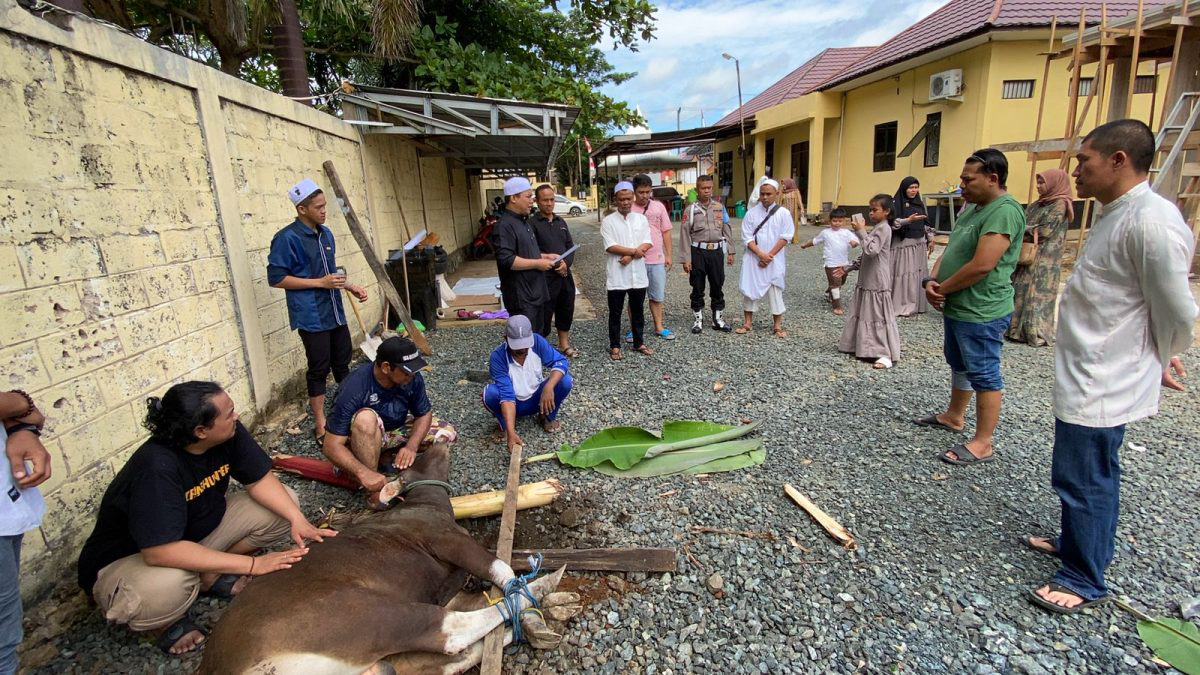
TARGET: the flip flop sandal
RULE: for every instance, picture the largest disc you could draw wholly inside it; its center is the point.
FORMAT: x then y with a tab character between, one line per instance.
1059	609
615	354
177	630
1027	543
221	588
779	333
644	350
964	456
741	330
570	352
933	421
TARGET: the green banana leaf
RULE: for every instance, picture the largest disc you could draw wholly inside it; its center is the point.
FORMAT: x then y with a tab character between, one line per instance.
753	458
1174	641
625	446
679	461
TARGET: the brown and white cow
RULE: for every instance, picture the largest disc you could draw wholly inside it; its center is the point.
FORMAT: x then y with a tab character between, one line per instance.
374	598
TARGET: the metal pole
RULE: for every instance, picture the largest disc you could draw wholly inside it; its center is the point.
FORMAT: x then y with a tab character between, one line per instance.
742	121
579	158
677	112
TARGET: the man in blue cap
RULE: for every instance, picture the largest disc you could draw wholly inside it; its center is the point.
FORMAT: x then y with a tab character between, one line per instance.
519	385
521	265
302	263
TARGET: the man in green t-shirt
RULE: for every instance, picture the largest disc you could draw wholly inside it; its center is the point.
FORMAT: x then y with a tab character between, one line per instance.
972	286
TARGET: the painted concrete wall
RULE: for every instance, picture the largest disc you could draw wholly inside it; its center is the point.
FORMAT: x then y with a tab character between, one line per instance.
138	198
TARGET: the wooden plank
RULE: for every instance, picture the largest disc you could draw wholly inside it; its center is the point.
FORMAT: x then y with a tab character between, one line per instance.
1135	61
373	261
493	644
833	527
600	559
1044	145
1037	128
466	300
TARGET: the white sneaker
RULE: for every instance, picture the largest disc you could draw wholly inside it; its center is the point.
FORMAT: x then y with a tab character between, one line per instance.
698	326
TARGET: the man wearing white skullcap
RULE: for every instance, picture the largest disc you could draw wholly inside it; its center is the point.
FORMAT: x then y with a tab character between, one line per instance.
302	263
626	236
519	261
766	230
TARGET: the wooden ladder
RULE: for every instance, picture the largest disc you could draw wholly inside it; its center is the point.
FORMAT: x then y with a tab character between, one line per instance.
1174	139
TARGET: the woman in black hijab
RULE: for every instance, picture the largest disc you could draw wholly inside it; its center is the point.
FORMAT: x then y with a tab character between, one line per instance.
910	250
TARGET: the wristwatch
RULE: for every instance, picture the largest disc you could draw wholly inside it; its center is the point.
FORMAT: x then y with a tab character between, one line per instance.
925	282
24	426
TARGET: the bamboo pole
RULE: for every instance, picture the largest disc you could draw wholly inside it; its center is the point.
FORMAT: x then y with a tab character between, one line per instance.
482	504
1134	60
1183	12
493	644
1037	128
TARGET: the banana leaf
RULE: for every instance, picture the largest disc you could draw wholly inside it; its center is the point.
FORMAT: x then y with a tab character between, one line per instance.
1174	641
680	461
753	458
625	446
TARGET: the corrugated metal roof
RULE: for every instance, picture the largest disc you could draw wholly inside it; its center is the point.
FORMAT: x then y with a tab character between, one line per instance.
960	19
806	78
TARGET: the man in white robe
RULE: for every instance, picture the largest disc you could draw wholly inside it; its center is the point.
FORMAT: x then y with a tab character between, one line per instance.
766	230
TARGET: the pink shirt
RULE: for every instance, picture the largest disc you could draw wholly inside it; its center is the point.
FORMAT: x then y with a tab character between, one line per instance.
660	223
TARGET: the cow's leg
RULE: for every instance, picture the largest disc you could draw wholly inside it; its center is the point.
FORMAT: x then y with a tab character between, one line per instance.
444	664
461	629
455	547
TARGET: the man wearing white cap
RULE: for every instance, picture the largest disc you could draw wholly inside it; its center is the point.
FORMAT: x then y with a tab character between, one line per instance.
519	260
626	237
302	263
519	386
766	230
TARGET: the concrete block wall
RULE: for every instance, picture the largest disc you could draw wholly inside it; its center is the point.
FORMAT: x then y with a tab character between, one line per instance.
138	196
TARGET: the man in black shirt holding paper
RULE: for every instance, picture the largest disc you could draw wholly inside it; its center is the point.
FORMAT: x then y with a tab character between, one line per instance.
554	238
519	261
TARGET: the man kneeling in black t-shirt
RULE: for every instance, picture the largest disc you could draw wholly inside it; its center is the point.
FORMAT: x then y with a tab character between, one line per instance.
166	532
370	416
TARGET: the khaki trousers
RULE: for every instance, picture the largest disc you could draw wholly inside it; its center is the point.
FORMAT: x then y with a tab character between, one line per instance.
145	597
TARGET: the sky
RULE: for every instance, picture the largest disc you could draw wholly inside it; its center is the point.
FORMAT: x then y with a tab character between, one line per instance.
682	66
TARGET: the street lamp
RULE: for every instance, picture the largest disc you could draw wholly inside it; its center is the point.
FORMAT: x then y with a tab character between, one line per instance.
741	118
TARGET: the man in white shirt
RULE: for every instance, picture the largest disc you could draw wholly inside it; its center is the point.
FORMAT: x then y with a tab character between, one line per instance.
626	236
21	509
1125	315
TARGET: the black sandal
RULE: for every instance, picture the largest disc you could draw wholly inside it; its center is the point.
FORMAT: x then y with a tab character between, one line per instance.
963	456
223	587
933	421
1059	609
177	630
1028	543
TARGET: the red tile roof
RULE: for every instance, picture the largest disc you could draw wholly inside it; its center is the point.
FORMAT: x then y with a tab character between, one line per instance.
802	80
961	19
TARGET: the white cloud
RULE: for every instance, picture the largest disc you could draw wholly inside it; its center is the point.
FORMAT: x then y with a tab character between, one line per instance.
659	69
885	31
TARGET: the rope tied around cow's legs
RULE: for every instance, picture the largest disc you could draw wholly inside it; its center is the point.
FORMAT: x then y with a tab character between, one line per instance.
509	605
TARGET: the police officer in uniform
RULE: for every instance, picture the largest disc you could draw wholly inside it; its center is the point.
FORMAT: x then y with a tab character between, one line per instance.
703	242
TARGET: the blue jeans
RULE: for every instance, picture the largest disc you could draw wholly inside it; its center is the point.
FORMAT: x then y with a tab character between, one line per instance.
10	602
973	352
531	405
1086	474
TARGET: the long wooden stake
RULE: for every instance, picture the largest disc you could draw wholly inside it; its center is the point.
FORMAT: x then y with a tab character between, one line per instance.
1037	128
368	251
1075	68
1083	226
833	527
1134	61
493	644
1102	71
1176	76
600	559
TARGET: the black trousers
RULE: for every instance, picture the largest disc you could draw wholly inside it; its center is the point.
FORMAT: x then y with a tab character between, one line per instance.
561	307
710	266
637	316
326	350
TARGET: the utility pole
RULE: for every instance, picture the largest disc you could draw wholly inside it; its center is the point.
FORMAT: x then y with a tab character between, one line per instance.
741	120
677	112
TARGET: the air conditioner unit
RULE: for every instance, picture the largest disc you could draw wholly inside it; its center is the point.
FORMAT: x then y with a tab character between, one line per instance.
946	84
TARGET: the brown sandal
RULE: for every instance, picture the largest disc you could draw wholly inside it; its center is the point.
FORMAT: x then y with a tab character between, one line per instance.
644	350
741	330
570	352
779	332
615	354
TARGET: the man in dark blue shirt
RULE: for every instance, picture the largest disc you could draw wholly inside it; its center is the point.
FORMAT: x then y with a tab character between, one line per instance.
302	263
371	414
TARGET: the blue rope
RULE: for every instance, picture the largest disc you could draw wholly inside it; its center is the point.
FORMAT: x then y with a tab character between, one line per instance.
510	605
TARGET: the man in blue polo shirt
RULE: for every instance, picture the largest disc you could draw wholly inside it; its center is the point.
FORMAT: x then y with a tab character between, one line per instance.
371	416
519	385
302	263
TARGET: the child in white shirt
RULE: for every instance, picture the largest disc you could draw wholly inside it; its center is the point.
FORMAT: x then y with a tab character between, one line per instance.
838	240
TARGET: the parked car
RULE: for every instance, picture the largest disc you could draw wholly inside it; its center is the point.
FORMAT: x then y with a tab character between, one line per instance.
665	194
570	207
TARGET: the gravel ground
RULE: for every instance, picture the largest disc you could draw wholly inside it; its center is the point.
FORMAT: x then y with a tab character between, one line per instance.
938	581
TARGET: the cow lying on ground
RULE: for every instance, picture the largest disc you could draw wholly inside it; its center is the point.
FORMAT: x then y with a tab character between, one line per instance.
371	599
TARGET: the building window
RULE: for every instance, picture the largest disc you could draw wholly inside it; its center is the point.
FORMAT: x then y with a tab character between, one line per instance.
885	146
725	168
1144	84
770	157
933	138
1085	86
1017	89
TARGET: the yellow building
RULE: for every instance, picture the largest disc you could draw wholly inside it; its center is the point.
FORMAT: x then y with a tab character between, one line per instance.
966	77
